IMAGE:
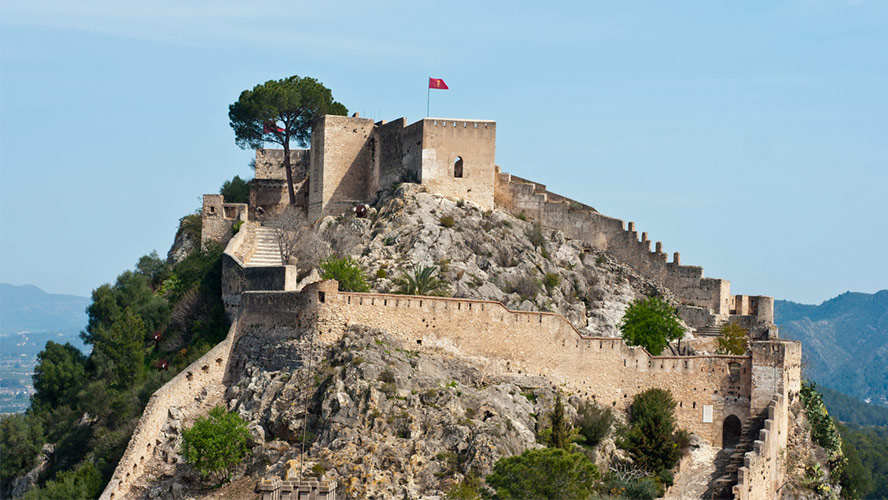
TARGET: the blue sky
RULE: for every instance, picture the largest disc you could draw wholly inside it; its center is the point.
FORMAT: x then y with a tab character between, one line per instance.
749	136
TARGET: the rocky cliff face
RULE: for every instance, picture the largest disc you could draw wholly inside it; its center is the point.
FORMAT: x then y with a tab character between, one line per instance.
381	420
493	256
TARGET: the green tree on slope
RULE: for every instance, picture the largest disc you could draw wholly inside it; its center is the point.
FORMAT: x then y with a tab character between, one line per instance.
651	323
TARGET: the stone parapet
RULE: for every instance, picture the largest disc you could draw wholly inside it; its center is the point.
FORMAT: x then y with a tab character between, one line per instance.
707	388
761	474
579	221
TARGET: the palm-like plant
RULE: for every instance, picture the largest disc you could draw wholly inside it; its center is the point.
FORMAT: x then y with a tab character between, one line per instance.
422	281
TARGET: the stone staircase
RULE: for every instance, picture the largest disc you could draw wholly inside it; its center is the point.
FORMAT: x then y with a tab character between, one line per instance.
722	488
267	252
708	331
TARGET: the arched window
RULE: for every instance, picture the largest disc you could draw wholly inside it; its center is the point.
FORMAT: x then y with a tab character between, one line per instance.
731	431
458	167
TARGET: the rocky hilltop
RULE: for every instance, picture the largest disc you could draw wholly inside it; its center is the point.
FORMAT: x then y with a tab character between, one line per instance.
490	255
384	418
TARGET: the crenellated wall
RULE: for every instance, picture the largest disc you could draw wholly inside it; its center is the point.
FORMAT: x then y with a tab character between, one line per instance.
621	240
761	474
707	388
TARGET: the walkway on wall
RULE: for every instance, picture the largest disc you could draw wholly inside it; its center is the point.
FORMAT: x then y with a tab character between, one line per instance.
267	252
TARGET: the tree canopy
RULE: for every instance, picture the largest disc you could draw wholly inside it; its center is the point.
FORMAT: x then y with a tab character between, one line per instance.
235	191
651	323
543	474
280	111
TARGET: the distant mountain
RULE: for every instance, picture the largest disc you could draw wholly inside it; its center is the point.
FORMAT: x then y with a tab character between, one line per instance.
844	342
28	308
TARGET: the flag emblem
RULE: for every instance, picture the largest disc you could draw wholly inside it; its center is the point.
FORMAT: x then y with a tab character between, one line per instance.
437	83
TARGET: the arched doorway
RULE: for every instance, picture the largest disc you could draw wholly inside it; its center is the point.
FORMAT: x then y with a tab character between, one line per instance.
731	431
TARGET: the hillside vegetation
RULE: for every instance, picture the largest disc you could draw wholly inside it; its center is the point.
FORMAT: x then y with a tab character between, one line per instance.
145	327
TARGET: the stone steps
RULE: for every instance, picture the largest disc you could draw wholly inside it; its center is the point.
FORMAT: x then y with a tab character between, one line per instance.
723	487
266	252
708	331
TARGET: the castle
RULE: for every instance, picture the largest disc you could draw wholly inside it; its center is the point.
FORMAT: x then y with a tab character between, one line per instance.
720	397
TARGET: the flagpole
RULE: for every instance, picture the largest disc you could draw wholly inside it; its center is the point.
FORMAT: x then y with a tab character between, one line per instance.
428	96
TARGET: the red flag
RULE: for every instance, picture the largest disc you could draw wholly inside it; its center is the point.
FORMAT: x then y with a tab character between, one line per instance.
270	126
437	83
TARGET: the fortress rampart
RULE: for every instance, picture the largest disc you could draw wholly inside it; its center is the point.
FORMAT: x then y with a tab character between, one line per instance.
761	474
209	370
217	218
707	388
707	301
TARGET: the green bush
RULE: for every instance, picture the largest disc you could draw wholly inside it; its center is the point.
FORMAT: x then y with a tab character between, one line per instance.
346	271
535	235
594	423
467	489
447	221
215	444
21	438
734	339
543	474
526	287
236	226
645	488
823	429
551	280
650	437
651	323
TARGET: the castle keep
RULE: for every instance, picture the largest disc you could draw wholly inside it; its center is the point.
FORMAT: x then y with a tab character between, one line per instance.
350	160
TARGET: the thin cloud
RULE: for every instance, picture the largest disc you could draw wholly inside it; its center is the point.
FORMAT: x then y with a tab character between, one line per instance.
283	27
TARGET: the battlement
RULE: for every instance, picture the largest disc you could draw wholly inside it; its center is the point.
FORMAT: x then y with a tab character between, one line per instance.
708	388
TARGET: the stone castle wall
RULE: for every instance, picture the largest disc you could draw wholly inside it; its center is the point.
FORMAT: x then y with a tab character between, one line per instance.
707	388
761	474
217	218
268	189
621	240
209	370
458	159
342	157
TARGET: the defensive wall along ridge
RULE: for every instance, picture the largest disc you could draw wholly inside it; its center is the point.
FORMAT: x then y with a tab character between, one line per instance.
707	388
182	390
212	370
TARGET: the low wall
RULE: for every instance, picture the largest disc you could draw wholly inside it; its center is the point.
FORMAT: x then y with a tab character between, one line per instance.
183	389
761	473
707	388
